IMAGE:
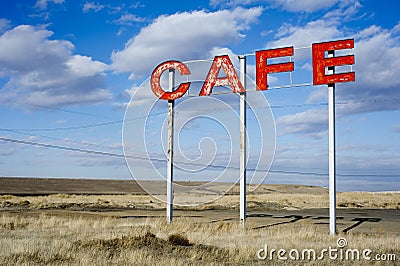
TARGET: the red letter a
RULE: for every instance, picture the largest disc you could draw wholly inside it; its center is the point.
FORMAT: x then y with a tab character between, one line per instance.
212	79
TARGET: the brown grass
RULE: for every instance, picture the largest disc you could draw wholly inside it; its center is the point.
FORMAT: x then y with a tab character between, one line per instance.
66	229
85	240
256	201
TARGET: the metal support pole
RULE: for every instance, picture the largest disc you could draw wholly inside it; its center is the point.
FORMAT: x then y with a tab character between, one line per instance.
242	60
332	152
170	161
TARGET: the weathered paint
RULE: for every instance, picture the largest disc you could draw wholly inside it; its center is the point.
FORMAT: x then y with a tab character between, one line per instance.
262	70
170	152
332	149
212	79
262	67
243	137
156	76
320	62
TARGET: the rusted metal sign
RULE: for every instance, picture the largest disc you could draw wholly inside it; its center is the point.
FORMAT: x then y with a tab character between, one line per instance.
319	62
323	73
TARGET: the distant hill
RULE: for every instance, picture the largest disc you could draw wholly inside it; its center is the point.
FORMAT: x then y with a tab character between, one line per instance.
45	186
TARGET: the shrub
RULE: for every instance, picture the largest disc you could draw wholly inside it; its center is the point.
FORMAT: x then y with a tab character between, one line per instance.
178	240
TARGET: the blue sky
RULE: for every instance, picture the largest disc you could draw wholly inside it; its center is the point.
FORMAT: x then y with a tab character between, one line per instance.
69	68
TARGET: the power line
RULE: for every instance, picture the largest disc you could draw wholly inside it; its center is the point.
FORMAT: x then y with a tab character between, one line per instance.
46	145
298	105
67	111
57	139
82	126
66	148
65	128
108	123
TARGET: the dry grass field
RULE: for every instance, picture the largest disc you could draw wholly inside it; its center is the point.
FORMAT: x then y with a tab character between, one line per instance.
129	229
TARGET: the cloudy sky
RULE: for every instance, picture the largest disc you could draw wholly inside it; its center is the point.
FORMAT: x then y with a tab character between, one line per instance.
68	70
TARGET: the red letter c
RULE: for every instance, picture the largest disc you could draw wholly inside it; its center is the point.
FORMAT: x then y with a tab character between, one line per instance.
155	80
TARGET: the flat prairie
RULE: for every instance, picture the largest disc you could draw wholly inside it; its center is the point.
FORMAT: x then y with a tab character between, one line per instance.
99	222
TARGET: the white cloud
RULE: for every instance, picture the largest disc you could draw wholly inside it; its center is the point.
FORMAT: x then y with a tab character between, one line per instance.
47	98
396	128
377	67
85	66
312	122
318	95
37	70
396	28
42	4
4	24
182	36
299	36
288	5
91	6
304	36
127	19
304	5
309	157
7	149
368	149
376	88
233	3
347	10
301	156
377	57
377	64
223	51
323	29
